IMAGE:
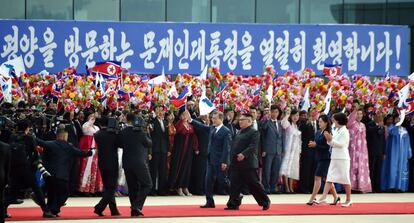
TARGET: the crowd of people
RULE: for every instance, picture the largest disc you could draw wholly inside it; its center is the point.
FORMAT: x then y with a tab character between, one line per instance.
260	151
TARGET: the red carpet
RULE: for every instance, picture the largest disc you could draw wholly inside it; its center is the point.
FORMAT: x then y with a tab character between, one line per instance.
19	214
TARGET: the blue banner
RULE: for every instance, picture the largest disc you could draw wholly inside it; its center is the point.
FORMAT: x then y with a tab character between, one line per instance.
189	47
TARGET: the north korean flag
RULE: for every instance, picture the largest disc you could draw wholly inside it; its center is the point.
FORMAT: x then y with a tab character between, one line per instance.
108	69
332	70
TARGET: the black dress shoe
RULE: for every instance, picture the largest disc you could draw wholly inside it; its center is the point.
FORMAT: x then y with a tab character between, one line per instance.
208	206
136	212
267	206
99	213
48	214
115	213
231	208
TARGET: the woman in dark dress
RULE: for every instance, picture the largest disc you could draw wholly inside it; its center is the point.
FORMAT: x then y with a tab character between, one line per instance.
322	158
185	145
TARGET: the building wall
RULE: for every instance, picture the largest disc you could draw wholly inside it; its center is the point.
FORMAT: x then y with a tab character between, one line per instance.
394	12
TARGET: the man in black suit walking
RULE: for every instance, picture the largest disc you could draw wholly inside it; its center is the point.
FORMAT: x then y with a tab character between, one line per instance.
244	164
58	156
135	143
4	175
106	139
218	150
160	145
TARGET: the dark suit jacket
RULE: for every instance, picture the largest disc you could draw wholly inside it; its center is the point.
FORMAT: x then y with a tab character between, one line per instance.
58	157
375	136
73	134
272	139
308	134
107	149
230	126
219	143
203	138
135	145
247	143
160	140
4	164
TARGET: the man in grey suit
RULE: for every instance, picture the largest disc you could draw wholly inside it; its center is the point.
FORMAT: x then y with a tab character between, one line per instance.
218	152
272	133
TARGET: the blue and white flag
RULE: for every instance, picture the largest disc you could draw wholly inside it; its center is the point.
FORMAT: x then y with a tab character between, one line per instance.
328	99
205	105
403	94
13	68
306	101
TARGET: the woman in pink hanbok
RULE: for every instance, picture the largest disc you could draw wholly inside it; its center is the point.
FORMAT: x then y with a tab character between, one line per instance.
90	177
358	151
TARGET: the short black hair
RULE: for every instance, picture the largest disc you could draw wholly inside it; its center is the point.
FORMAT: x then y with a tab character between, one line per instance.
22	125
103	121
61	131
273	107
303	112
219	114
248	114
341	118
252	107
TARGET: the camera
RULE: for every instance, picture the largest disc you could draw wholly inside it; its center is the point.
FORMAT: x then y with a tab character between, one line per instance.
38	164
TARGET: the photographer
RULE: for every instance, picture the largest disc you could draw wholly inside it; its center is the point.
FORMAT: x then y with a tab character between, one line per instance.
106	140
135	143
58	156
25	161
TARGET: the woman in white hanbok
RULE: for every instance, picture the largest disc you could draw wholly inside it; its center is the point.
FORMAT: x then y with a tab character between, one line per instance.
292	149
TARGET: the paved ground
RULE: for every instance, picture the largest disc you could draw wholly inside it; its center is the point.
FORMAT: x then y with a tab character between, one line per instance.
297	198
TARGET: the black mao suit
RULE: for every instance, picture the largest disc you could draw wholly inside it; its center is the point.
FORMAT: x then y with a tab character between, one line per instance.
244	172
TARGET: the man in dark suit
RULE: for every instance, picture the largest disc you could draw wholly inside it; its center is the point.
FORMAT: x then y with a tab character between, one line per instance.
244	164
199	165
307	156
160	145
73	138
218	150
58	156
375	135
272	142
4	175
135	143
106	140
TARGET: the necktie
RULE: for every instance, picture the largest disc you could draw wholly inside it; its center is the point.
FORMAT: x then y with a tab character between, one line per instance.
277	127
162	125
